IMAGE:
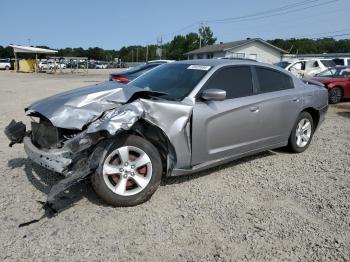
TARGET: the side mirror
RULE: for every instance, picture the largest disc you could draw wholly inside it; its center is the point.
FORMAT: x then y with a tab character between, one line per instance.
213	95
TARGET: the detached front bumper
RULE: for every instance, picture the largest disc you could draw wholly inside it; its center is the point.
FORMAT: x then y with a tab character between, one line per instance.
70	160
56	160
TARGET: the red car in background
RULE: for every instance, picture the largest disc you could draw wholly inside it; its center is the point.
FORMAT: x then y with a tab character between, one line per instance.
337	80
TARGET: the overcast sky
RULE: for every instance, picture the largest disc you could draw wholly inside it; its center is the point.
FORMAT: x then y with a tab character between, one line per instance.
113	24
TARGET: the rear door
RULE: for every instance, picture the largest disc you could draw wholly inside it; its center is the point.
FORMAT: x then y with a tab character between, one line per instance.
279	104
221	129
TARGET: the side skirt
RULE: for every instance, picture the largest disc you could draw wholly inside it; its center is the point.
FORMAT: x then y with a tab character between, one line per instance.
217	162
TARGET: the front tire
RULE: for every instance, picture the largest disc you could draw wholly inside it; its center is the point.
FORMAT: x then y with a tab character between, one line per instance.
129	173
302	133
335	95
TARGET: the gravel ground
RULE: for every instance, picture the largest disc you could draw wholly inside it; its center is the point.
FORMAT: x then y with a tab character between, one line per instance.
271	206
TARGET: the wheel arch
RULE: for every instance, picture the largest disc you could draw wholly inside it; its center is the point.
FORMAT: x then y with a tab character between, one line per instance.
315	114
160	140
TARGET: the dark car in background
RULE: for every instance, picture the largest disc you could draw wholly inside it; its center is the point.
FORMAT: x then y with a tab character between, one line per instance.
131	74
337	81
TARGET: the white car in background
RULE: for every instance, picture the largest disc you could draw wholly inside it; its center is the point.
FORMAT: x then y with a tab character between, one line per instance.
61	65
49	65
5	64
45	65
342	61
307	67
100	65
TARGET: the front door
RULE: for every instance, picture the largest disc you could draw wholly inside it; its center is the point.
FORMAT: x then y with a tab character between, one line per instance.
222	129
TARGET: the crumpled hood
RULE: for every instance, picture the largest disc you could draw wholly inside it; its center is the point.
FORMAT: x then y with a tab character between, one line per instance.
76	108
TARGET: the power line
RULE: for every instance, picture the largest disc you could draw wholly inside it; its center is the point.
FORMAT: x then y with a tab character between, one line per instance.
290	6
271	15
331	36
299	18
318	34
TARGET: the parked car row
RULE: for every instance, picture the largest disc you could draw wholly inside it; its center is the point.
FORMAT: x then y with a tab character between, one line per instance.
334	74
306	67
51	64
337	81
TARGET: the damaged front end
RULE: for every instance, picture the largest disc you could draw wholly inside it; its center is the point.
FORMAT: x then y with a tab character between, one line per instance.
73	129
63	151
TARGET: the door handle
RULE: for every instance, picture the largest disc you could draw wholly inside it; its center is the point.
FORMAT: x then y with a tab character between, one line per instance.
254	109
296	99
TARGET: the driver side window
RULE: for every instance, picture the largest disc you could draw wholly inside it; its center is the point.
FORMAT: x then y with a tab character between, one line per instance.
236	81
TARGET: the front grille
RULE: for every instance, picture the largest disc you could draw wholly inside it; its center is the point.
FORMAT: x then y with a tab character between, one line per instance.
44	135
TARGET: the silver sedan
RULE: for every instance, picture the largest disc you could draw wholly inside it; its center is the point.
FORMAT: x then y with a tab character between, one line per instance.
178	118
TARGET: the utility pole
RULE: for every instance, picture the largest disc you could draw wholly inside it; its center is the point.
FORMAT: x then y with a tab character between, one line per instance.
200	35
132	55
159	47
137	54
147	53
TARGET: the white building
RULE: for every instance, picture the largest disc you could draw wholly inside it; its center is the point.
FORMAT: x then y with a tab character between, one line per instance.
254	48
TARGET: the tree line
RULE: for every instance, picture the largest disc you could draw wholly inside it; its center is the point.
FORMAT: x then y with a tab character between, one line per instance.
181	44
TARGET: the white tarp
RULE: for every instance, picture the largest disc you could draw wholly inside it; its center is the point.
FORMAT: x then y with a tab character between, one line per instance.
29	49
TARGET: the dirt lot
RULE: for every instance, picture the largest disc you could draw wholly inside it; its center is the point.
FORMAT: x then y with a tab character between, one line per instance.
271	206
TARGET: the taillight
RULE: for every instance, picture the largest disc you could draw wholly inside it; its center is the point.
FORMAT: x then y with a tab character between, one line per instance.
120	79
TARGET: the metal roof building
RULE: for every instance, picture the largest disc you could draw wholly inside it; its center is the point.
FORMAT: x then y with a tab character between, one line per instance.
32	50
254	48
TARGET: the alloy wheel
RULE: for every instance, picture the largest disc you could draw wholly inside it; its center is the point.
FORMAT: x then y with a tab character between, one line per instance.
127	170
335	95
303	132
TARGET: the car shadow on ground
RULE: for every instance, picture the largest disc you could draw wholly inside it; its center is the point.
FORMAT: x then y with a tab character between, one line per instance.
43	179
344	114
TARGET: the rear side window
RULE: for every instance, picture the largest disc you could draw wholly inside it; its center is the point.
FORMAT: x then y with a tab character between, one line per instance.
236	81
271	80
338	61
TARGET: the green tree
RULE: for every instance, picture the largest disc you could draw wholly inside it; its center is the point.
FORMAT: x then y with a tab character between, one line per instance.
6	52
192	42
207	36
176	48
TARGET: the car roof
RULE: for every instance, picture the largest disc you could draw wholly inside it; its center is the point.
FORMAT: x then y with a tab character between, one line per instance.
217	62
340	67
160	61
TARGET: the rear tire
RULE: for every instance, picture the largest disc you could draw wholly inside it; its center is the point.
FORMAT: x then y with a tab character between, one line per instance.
302	133
7	68
335	95
129	173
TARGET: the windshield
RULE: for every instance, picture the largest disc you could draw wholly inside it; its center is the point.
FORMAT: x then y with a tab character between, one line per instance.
328	63
282	64
335	72
176	80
